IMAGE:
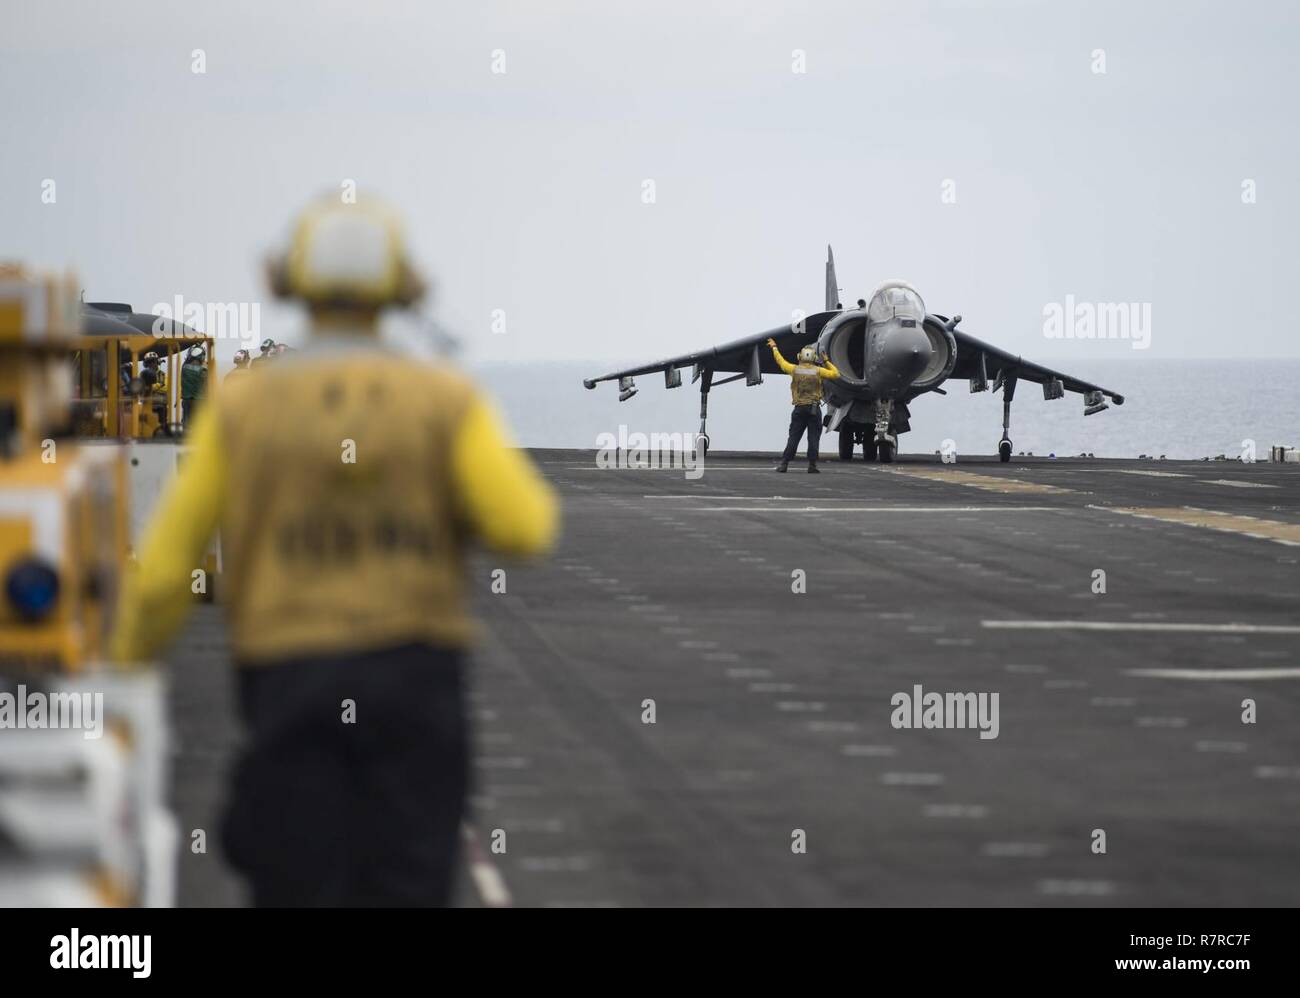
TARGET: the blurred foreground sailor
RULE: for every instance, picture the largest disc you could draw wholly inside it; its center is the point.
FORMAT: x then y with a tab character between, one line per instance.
806	396
347	482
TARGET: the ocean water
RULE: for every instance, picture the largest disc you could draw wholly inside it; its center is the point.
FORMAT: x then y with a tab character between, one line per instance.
1178	408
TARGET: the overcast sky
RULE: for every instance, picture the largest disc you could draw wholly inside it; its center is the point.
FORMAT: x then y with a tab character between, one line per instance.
523	190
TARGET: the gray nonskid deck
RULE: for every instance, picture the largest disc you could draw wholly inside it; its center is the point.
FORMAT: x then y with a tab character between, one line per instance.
772	709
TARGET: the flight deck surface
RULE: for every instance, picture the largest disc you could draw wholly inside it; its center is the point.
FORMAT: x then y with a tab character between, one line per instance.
1119	712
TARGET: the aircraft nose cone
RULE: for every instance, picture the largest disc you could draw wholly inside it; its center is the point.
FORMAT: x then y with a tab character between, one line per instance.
909	351
901	353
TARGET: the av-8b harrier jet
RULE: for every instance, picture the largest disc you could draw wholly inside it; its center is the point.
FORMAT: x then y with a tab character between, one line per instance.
889	350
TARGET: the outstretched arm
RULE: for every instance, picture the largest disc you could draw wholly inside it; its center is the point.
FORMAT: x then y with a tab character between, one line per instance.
512	508
781	362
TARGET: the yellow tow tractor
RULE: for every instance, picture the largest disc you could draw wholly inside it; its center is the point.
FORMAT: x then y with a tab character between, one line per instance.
131	374
114	393
83	745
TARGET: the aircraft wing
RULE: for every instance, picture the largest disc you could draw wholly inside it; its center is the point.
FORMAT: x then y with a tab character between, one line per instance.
999	362
738	356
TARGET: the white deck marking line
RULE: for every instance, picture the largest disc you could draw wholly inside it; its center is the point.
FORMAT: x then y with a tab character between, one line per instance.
911	779
699	496
489	883
1277	772
1132	625
677	469
1215	675
875	509
1237	483
555	864
955	811
1150	474
1207	745
1015	850
1076	888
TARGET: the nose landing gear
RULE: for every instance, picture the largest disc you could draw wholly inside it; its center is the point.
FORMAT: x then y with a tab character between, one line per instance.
872	449
878	443
884	443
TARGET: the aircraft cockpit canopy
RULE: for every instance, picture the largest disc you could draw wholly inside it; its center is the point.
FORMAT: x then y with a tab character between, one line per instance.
895	300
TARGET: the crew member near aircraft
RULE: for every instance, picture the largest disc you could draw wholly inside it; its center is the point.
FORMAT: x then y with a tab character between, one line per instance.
268	352
194	382
347	486
806	396
241	364
153	380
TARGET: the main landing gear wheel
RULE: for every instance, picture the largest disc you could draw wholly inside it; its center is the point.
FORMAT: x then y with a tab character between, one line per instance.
1004	445
702	444
846	444
869	449
885	450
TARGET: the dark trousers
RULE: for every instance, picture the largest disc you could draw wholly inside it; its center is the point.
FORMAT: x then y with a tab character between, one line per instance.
189	409
324	813
804	417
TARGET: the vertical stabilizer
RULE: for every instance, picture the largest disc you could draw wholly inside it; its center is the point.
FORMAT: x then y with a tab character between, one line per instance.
832	285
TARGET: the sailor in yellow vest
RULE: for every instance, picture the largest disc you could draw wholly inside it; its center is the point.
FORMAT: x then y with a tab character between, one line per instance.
241	364
347	482
153	380
806	396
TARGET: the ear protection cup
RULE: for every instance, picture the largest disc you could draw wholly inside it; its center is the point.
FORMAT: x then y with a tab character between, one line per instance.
323	237
277	275
411	287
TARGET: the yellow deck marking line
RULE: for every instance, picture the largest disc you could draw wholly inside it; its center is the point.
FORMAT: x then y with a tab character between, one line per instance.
1233	523
988	483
